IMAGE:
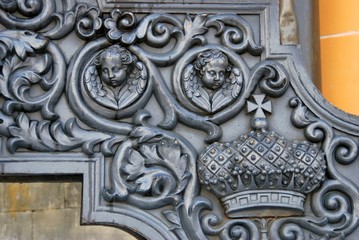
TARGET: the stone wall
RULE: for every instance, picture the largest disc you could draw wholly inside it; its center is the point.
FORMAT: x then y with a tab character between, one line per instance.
36	211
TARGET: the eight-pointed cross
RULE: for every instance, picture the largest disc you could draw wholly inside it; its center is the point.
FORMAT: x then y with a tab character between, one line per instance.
259	106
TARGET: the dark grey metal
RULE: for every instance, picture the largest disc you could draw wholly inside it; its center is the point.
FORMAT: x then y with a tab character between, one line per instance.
150	108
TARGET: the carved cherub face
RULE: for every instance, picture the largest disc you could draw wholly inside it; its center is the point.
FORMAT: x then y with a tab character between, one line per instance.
213	66
113	73
114	64
214	73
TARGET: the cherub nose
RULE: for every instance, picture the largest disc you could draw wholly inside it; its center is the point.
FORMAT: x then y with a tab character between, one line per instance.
217	76
110	74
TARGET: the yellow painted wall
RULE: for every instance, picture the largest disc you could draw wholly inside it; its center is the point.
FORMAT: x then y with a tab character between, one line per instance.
339	40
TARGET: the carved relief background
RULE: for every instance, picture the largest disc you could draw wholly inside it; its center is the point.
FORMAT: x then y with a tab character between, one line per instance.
183	125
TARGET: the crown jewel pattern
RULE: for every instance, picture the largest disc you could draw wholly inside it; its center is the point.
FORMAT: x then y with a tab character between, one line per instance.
261	170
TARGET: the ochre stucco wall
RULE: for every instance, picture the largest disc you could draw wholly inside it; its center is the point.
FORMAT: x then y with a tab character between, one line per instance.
339	31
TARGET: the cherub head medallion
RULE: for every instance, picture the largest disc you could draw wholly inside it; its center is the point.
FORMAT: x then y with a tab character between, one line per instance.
210	82
115	79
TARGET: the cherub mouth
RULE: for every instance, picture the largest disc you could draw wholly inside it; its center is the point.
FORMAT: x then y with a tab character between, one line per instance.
115	83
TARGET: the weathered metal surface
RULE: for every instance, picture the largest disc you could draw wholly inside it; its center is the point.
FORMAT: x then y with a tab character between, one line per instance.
182	125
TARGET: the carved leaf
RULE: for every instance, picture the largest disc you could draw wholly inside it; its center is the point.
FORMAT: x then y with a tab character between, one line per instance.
167	155
173	218
299	115
9	45
146	134
135	164
150	151
144	183
156	180
235	33
184	179
170	151
22	49
195	28
52	136
30	52
23	43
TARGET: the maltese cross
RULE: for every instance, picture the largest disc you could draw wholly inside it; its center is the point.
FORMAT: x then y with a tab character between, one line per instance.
259	106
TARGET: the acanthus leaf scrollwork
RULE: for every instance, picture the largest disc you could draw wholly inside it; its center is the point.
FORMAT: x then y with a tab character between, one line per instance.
25	67
153	162
49	136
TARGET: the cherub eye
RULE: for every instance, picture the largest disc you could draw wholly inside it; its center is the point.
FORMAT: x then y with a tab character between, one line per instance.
105	70
212	73
115	69
221	74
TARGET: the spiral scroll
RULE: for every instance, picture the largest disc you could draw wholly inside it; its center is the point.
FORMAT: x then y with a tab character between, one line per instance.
36	14
334	204
232	229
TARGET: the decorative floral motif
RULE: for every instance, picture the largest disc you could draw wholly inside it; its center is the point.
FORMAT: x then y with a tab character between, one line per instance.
119	24
89	23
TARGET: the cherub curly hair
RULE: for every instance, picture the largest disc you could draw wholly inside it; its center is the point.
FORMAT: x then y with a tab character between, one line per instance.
113	51
206	56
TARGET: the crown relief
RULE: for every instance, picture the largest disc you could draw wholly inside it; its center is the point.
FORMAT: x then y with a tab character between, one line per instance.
262	173
268	185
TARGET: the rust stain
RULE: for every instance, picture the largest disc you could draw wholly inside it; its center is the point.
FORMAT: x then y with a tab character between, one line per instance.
288	23
17	197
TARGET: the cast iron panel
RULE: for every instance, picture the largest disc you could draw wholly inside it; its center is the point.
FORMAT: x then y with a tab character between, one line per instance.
185	120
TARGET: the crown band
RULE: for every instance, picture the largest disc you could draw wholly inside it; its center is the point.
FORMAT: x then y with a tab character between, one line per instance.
264	203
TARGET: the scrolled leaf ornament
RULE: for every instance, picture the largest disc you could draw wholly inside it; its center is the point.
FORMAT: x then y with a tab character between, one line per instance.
46	136
232	229
36	14
235	33
152	170
275	80
30	60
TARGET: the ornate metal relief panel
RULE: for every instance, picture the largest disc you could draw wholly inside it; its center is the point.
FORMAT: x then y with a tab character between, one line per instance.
183	125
